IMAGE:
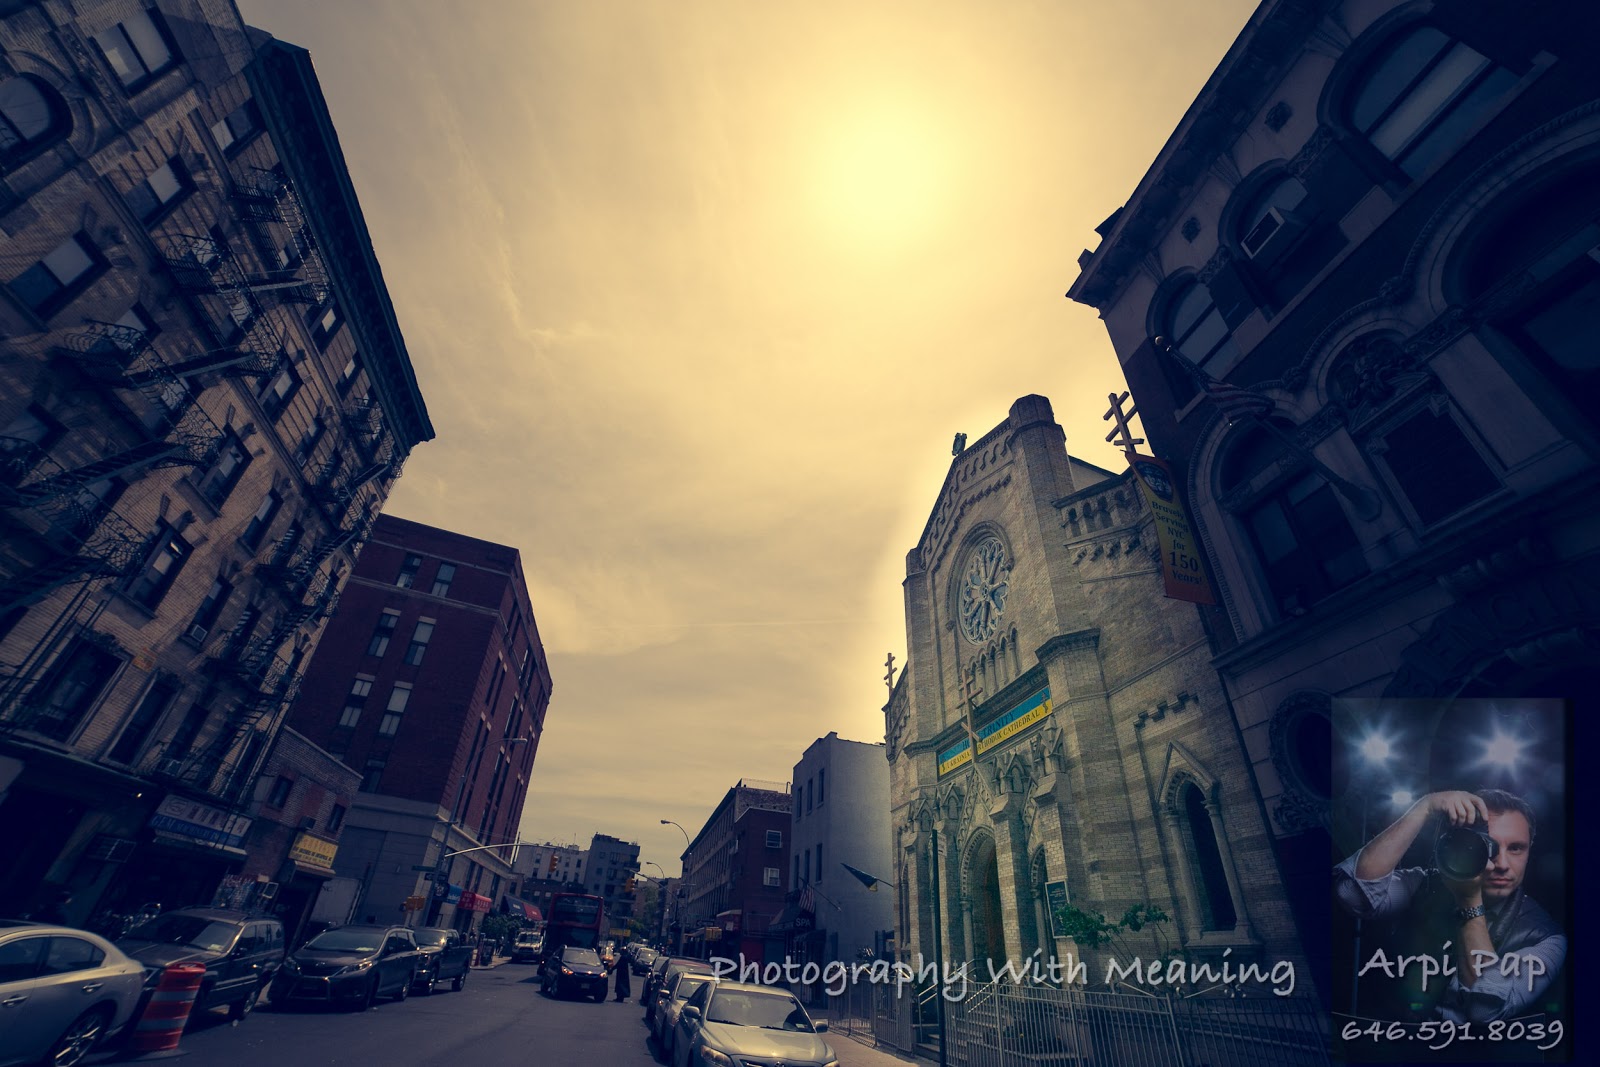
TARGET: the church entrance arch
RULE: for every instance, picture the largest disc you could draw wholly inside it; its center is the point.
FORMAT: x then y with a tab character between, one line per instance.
982	880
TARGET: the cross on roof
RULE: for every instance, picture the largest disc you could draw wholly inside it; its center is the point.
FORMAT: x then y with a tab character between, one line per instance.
1126	440
888	679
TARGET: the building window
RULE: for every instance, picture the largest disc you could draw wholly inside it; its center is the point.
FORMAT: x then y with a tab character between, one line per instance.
276	396
336	818
822	780
280	792
774	838
806	859
347	377
796	870
808	796
372	775
210	609
161	568
1420	94
384	631
261	521
1302	539
389	725
308	443
137	50
1270	225
1210	880
226	470
53	282
234	131
771	876
154	704
325	325
1197	329
73	686
419	643
355	700
32	117
1434	464
442	580
819	861
160	192
408	572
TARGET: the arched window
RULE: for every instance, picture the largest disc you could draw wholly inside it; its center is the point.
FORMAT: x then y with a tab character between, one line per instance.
1420	93
1302	540
32	117
1269	226
1210	880
1190	321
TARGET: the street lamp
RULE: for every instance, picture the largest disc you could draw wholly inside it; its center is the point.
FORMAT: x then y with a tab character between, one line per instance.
441	867
686	884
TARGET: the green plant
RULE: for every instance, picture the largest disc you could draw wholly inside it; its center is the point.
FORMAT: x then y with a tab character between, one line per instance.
1090	929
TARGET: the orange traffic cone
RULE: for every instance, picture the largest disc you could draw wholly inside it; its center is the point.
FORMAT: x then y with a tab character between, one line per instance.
161	1025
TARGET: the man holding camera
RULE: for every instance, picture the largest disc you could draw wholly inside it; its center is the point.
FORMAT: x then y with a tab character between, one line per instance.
1497	951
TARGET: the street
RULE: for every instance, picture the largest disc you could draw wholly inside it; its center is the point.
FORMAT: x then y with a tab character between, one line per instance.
499	1018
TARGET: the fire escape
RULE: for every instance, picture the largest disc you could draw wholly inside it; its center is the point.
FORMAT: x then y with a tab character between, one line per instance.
263	200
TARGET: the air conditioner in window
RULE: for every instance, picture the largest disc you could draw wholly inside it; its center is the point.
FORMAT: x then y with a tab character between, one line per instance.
268	892
198	634
1273	235
172	766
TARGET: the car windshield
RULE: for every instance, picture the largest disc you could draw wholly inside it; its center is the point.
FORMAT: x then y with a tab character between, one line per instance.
770	1011
348	939
432	937
187	930
581	955
529	939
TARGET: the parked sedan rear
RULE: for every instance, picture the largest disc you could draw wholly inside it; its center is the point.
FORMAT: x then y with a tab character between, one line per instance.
575	970
62	991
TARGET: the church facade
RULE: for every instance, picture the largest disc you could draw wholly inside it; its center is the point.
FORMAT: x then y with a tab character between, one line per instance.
1059	734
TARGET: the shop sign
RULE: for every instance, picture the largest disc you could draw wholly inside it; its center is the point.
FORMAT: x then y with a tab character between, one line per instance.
202	822
309	848
474	902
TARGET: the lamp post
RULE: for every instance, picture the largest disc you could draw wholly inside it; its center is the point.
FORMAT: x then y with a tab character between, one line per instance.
441	881
661	897
685	884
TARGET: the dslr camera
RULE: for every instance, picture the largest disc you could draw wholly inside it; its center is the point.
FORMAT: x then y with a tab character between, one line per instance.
1462	852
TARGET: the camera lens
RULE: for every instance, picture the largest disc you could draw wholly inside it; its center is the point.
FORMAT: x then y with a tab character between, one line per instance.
1463	852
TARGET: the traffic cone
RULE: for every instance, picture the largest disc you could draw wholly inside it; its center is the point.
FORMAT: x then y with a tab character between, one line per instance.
161	1024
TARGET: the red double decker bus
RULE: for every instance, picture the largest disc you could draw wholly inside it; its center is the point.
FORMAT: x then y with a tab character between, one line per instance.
574	919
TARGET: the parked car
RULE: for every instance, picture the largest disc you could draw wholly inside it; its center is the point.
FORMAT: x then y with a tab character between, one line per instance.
642	958
446	957
574	970
351	964
670	1001
62	992
528	947
663	971
740	1022
241	953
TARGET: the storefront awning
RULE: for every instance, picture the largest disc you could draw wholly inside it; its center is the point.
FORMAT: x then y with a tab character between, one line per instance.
313	870
518	906
195	845
792	920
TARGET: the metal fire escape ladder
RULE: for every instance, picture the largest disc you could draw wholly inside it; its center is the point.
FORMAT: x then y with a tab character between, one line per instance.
266	198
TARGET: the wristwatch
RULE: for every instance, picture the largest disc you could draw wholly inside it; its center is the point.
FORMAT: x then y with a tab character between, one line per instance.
1468	914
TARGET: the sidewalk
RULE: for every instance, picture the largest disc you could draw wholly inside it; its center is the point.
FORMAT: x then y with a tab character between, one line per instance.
858	1052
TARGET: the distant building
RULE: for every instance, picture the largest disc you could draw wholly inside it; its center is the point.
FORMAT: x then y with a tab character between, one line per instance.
431	682
735	870
840	816
1380	218
542	871
204	400
611	868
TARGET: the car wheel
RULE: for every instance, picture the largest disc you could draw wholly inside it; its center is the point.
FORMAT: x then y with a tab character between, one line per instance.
85	1031
460	982
239	1009
370	998
405	989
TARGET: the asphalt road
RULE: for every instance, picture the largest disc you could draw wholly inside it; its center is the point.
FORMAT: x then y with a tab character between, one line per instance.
499	1018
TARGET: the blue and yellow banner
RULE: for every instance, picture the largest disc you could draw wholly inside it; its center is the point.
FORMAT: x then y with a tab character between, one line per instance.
1032	710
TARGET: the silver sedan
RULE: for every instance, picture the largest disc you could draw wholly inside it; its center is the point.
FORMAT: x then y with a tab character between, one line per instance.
61	992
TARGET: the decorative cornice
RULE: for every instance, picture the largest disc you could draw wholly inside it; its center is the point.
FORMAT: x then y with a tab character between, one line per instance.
1061	644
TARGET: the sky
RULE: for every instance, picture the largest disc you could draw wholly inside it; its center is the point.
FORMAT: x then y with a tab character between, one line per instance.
698	294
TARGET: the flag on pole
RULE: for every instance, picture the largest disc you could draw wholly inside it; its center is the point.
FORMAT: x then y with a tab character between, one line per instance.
808	899
864	878
1234	401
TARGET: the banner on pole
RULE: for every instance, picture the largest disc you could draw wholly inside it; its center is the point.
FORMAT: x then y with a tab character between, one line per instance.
1183	570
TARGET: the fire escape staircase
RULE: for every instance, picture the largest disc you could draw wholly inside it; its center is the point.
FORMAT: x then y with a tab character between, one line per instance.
269	198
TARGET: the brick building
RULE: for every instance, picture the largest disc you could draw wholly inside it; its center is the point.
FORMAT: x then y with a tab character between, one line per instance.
610	871
735	870
1380	218
431	682
1107	772
204	399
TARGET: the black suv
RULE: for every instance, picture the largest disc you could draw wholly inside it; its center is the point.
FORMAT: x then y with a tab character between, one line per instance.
241	953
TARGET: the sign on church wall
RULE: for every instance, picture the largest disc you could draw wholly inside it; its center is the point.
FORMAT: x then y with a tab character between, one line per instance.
1183	570
1034	709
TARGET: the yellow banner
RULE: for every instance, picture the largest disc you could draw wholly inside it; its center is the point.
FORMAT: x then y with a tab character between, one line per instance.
308	848
1183	571
1021	719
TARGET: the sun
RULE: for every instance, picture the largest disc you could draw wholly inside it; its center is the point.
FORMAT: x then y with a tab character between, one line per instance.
883	174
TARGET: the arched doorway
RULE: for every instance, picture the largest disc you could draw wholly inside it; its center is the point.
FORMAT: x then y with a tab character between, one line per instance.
982	879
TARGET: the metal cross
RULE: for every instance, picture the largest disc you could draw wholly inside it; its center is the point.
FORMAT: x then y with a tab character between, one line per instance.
1126	441
969	704
888	679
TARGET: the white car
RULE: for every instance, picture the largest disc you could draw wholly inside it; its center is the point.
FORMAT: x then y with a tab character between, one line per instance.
738	1022
62	991
677	992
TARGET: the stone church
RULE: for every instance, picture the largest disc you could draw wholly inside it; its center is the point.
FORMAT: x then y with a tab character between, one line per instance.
1060	731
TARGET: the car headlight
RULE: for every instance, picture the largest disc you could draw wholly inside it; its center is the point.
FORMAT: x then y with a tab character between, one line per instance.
566	970
354	968
711	1055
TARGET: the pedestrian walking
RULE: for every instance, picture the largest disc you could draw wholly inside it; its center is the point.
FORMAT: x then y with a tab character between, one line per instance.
622	970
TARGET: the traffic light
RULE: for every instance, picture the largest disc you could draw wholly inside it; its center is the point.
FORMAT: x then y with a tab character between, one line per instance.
628	888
